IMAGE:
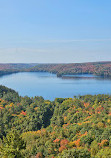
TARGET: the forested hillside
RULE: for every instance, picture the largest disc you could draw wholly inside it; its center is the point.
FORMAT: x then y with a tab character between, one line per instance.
13	68
78	127
96	68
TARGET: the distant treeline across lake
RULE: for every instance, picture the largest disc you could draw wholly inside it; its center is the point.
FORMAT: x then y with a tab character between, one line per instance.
95	68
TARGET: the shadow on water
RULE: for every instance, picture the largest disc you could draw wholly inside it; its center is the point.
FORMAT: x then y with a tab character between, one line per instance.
7	74
86	76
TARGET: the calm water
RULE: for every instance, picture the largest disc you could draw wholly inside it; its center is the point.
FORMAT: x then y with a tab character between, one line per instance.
49	86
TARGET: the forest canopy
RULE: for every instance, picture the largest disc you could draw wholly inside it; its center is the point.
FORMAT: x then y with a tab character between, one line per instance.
76	127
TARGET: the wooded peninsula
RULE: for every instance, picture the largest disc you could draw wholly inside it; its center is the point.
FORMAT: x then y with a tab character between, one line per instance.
102	69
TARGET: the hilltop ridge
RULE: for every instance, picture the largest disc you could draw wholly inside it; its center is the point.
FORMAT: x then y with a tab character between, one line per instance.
97	68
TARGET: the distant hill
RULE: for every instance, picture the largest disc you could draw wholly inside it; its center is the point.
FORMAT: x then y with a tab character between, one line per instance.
96	68
15	66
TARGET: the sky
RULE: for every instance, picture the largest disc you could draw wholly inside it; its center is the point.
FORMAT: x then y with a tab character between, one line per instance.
55	31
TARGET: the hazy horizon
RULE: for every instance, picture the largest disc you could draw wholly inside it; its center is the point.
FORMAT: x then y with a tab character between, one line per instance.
53	63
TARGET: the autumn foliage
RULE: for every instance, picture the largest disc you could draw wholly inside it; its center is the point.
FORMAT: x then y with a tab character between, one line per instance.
79	126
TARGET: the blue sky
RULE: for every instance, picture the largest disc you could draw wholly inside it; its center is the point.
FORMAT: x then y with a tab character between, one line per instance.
55	31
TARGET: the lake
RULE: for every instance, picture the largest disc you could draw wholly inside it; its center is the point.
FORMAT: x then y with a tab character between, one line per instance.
50	86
